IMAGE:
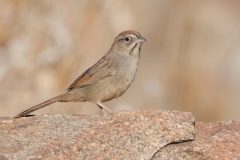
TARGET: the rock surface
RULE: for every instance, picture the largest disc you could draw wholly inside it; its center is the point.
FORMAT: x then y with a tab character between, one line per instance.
122	135
144	134
219	140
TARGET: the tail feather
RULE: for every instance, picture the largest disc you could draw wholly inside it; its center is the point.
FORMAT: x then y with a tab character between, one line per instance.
41	105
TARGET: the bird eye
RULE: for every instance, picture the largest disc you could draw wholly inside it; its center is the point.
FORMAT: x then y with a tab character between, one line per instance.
126	39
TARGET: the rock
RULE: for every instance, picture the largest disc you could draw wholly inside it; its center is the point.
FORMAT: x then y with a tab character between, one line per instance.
218	140
121	135
145	134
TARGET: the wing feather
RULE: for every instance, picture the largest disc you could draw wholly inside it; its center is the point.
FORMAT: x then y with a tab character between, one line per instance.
101	70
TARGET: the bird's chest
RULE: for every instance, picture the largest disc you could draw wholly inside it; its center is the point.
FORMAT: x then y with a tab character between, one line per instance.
117	84
125	76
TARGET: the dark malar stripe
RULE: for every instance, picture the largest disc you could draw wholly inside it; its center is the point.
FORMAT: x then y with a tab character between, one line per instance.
133	48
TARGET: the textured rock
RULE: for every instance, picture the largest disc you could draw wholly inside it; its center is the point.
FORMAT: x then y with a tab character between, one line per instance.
145	134
219	140
122	135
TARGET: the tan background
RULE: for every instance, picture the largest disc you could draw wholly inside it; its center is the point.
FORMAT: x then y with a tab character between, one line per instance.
191	61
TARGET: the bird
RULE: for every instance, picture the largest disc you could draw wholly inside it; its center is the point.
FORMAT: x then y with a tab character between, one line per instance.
107	79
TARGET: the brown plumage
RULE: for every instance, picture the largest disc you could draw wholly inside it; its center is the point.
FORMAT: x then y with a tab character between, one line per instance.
109	78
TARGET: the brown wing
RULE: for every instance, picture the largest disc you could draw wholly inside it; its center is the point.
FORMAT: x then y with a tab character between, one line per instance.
101	70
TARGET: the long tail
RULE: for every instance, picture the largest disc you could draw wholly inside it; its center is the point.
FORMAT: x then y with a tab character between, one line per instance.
41	105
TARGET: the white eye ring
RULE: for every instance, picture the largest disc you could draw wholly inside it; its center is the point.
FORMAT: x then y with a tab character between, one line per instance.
127	39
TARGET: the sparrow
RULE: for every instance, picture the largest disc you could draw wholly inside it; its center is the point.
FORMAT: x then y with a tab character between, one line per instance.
107	79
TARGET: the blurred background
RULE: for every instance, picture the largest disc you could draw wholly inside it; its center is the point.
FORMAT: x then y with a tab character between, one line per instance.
191	61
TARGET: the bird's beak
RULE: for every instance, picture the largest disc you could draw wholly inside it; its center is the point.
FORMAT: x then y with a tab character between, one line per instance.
140	40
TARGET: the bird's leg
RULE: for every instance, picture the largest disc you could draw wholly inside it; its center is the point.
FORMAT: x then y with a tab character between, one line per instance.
104	109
